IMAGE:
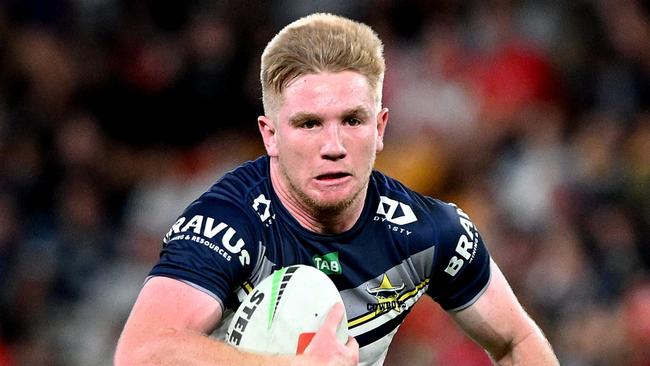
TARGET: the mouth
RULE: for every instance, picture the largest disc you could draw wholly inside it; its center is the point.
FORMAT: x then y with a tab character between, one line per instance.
332	176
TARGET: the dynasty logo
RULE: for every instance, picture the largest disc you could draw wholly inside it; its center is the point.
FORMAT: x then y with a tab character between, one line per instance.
262	207
395	215
387	296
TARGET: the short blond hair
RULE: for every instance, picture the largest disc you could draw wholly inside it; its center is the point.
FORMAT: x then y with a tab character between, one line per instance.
320	43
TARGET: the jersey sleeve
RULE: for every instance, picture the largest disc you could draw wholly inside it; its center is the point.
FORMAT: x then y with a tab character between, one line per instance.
461	267
211	246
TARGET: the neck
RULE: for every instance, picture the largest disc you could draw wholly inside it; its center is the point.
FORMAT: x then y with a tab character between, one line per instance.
323	221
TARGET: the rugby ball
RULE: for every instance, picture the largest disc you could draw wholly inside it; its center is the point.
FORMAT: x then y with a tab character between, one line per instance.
283	312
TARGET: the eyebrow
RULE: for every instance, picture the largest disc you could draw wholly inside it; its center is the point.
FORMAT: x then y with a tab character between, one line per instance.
300	117
359	111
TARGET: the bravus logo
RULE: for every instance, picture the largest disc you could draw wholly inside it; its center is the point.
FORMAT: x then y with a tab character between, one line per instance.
202	230
467	244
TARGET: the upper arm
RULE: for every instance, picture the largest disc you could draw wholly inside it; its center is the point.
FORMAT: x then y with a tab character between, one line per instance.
166	304
213	245
496	320
461	263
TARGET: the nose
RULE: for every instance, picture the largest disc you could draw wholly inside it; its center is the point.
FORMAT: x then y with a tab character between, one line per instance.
332	147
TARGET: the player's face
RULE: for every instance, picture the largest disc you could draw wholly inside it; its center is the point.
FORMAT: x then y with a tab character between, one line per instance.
324	139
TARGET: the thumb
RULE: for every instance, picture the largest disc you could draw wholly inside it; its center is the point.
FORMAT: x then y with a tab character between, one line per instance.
352	344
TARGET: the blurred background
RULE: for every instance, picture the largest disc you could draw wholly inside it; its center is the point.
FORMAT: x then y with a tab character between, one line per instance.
531	115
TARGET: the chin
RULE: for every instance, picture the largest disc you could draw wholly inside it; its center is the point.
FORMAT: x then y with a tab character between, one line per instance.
331	206
332	201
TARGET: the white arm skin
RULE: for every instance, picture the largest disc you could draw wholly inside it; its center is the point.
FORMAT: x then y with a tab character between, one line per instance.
499	323
170	320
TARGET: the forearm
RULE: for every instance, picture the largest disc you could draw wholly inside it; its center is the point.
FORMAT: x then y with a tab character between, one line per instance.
499	324
532	350
168	326
173	332
179	347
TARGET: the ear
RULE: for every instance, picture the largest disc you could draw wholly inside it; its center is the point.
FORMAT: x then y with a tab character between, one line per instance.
382	121
267	130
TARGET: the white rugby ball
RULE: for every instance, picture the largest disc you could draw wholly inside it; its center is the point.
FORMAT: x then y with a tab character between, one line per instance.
283	312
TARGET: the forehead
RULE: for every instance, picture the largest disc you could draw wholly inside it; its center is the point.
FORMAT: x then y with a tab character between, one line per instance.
326	92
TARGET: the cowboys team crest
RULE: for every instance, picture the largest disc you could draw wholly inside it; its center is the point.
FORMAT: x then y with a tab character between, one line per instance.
387	296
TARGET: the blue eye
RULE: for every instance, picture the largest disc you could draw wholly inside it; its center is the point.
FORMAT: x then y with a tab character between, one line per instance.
352	121
309	124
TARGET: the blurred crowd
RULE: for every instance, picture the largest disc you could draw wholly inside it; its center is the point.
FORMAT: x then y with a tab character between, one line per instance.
531	115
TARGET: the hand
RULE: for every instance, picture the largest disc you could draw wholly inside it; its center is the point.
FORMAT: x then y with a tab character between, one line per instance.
325	349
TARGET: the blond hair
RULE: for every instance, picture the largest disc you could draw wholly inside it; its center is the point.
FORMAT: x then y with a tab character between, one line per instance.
320	43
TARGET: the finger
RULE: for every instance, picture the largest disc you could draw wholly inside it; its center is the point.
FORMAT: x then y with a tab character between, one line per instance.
334	317
353	348
352	344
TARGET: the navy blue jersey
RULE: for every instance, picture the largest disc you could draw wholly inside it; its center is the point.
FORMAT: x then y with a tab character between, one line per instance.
402	246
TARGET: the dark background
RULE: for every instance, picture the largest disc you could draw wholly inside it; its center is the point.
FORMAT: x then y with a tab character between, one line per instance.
531	115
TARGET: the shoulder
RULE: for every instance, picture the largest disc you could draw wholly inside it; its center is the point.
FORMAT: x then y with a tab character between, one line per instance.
403	205
433	222
227	212
237	194
240	183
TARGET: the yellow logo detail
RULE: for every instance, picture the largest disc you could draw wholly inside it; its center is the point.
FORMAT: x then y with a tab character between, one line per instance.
387	296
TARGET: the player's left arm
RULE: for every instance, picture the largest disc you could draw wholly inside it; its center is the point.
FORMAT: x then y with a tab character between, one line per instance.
498	322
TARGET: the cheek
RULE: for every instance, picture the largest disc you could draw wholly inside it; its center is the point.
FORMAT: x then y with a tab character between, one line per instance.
293	148
293	153
302	144
367	144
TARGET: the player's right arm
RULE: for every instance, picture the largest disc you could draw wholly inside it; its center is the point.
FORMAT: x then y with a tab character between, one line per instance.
209	251
170	320
168	325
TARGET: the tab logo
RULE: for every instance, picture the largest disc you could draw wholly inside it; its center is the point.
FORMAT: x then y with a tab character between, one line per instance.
328	263
388	208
